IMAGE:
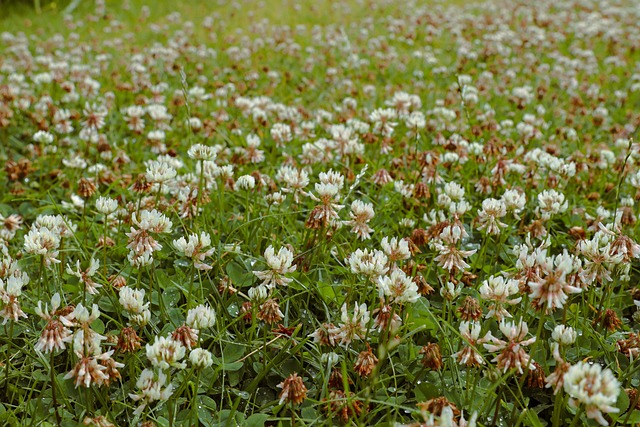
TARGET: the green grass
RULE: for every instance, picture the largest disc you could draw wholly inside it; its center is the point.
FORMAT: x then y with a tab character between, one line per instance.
328	84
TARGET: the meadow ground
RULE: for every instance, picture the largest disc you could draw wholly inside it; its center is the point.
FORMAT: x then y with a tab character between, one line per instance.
351	212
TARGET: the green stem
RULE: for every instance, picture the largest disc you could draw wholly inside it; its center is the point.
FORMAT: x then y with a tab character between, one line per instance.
576	419
53	390
6	366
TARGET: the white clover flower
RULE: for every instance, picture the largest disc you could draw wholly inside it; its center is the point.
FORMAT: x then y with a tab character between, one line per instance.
398	287
160	171
43	137
258	293
245	182
279	264
361	213
132	300
42	241
141	319
200	358
371	264
596	388
10	291
195	248
499	292
201	317
166	352
551	202
564	334
106	206
151	383
488	217
395	249
202	152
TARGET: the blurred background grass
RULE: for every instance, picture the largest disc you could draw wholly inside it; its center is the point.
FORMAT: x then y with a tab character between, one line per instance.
46	17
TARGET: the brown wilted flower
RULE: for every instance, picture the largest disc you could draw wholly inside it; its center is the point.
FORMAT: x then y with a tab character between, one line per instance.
225	286
419	237
283	330
111	370
345	409
100	421
381	177
537	229
117	281
187	336
610	320
535	377
128	341
336	379
470	309
421	191
432	359
86	188
629	347
366	362
247	311
468	278
424	288
577	233
627	218
634	398
105	241
324	335
270	312
17	171
293	390
436	405
384	320
141	185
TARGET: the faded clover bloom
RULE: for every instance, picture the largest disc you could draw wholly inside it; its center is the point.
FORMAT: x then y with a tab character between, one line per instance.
512	353
596	388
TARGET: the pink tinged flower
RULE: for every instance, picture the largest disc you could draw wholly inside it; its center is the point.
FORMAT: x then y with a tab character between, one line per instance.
550	291
450	256
469	354
88	371
56	333
85	276
512	353
352	327
489	216
556	379
395	249
499	292
10	291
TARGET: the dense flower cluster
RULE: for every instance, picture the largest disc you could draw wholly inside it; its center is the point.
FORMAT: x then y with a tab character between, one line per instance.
415	214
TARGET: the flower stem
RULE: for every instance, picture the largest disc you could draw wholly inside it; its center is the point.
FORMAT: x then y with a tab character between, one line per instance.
576	419
53	390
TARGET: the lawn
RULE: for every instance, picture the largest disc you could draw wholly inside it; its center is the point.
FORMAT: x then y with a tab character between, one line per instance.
290	213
